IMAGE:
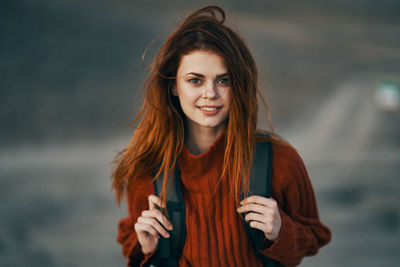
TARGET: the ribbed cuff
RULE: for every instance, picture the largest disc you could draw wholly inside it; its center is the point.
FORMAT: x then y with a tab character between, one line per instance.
277	249
137	258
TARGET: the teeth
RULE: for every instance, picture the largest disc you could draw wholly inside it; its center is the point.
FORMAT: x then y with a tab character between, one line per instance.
208	109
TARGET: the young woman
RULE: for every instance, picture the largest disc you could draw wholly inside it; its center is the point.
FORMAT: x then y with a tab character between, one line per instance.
200	116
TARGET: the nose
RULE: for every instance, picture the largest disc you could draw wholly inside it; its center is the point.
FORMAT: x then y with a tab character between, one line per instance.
209	91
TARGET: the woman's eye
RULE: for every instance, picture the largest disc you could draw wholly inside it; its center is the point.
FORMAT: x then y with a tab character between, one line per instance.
195	81
224	81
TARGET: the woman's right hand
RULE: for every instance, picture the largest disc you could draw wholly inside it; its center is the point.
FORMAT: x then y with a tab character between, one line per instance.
150	225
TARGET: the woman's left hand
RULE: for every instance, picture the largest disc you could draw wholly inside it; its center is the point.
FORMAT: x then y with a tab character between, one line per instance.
263	214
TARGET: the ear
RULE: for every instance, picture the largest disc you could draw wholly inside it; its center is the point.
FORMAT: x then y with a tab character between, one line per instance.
174	91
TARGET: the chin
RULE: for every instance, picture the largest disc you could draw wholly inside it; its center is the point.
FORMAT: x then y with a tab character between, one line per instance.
215	125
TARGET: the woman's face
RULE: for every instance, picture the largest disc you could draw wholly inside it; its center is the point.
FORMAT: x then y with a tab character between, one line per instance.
203	89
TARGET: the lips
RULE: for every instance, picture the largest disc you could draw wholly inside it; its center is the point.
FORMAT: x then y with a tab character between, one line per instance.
210	110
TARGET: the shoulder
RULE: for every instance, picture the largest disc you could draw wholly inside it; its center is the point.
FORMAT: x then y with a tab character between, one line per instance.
290	182
288	168
284	154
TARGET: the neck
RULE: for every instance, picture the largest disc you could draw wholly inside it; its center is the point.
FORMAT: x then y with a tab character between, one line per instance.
199	139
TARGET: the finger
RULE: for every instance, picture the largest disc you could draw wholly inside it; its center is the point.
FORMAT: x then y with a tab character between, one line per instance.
253	208
155	213
154	201
140	227
155	224
259	200
267	229
258	217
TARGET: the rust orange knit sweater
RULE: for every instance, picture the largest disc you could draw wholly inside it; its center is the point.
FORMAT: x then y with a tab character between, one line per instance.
215	232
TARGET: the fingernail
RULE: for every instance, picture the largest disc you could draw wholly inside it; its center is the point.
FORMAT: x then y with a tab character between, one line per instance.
167	235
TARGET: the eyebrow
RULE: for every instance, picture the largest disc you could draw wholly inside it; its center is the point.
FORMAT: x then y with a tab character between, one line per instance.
202	76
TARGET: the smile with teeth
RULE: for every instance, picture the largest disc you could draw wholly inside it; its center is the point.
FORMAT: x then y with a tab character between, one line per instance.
209	108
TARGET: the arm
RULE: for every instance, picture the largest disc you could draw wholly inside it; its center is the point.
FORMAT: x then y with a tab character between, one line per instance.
302	232
290	219
137	199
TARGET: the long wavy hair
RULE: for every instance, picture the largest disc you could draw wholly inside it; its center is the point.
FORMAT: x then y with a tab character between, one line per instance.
159	137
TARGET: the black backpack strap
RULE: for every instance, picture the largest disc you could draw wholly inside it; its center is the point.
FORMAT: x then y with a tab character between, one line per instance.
169	250
260	184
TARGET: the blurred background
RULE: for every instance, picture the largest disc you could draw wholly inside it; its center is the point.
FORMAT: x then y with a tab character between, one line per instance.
70	81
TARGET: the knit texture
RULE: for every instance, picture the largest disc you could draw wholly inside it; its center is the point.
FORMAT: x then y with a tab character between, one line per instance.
215	232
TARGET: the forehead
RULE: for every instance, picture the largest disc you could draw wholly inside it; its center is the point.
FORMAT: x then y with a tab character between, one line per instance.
202	62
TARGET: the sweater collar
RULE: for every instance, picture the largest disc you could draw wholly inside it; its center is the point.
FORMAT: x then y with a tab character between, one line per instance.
198	165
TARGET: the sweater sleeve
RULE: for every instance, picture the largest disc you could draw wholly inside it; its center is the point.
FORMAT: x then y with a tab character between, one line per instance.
302	232
137	201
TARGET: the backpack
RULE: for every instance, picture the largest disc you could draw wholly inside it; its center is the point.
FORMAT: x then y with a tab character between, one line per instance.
170	249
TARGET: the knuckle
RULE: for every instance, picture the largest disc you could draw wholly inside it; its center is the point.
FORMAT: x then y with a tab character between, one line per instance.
158	216
249	216
156	212
148	228
153	223
270	212
153	198
163	221
255	206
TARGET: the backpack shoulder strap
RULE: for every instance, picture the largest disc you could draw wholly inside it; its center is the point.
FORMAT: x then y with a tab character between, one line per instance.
261	170
169	249
260	184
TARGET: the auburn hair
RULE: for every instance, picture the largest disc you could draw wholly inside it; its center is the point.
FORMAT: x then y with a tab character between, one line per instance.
159	137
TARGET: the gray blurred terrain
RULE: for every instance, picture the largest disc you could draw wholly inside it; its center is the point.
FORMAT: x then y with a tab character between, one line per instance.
70	80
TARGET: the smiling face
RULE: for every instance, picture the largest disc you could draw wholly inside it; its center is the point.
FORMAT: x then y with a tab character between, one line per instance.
203	89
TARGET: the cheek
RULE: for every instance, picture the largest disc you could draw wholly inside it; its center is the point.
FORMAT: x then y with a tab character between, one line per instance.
186	93
227	97
185	97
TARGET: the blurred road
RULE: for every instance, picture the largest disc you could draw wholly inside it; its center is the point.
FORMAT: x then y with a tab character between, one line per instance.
352	152
71	72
